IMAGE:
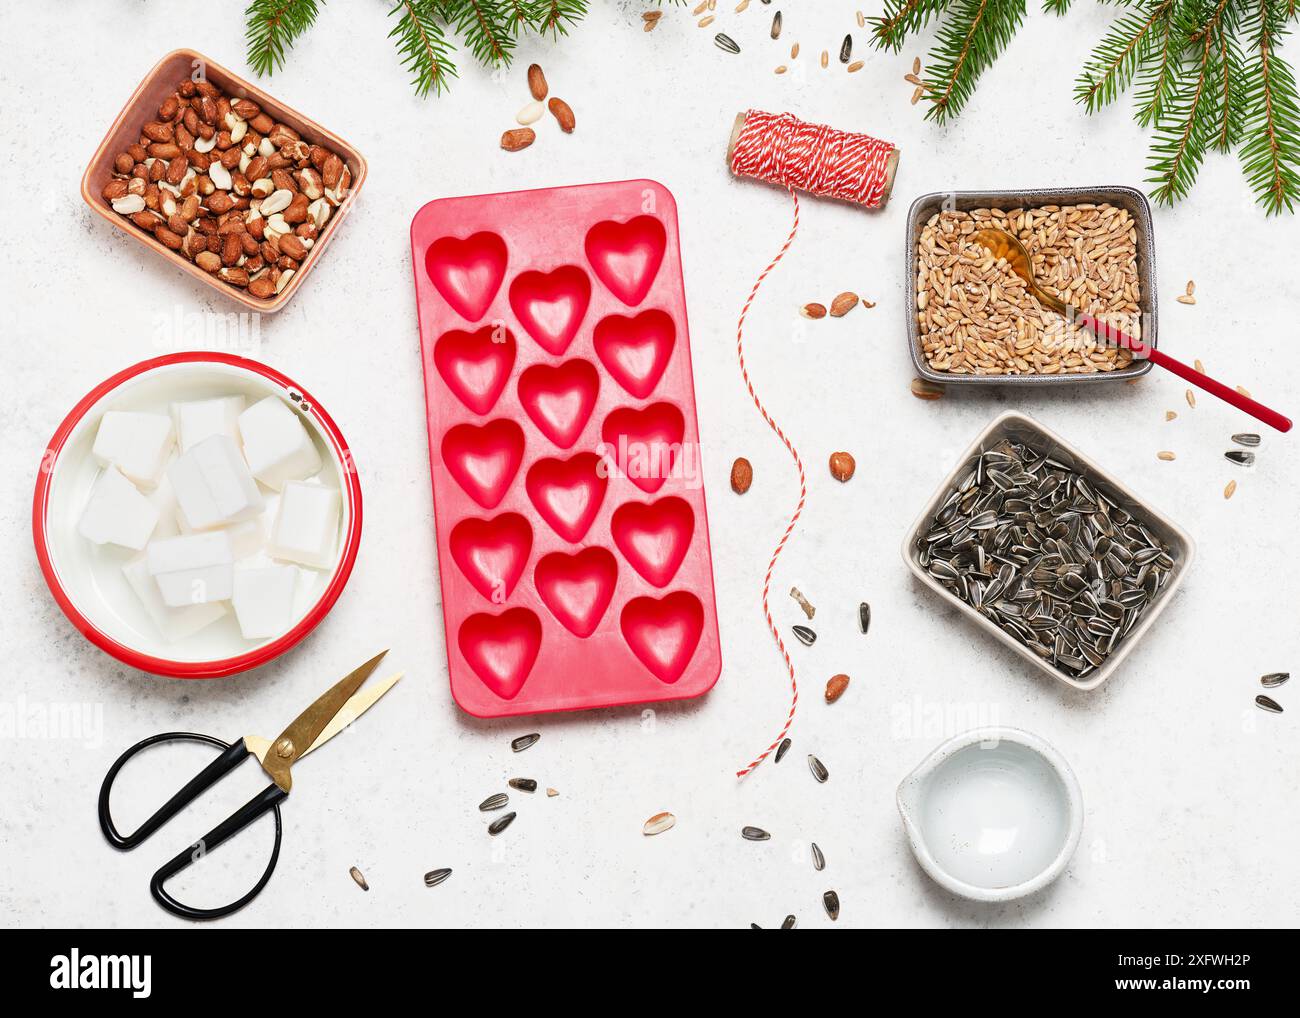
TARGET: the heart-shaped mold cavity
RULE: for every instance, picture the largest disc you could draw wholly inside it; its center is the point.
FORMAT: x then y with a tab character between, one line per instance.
663	633
626	256
501	648
646	444
467	272
568	493
654	536
492	553
484	459
476	365
577	588
559	400
636	350
551	305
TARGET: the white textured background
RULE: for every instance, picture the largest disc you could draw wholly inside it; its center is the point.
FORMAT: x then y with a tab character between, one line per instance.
1190	790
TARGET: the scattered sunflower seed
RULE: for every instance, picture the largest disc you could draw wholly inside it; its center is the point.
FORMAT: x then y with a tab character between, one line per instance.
856	66
1243	390
523	784
1247	438
864	617
1185	298
360	878
788	923
1229	489
726	43
781	750
916	64
826	58
1268	703
1273	679
923	389
803	602
819	860
832	902
862	20
818	769
1191	289
1165	455
658	823
706	21
780	69
1245	459
794	51
846	49
500	824
776	25
493	802
435	877
806	636
754	834
1170	415
916	95
742	5
1191	399
551	793
524	741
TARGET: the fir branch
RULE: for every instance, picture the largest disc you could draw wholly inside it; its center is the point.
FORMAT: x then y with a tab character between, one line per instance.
485	26
1183	136
1156	78
903	18
1110	69
270	28
969	40
423	45
1270	156
556	16
1232	95
1057	7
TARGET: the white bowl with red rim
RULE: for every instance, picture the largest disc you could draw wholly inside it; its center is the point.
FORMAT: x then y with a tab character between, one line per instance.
86	579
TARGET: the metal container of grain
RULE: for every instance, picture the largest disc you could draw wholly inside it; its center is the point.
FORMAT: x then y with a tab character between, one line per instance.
1127	199
1100	503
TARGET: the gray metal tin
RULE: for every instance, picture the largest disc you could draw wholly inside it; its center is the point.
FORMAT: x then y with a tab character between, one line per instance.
1128	198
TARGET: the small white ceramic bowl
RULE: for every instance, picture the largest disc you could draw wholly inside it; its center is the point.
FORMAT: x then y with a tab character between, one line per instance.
87	581
992	814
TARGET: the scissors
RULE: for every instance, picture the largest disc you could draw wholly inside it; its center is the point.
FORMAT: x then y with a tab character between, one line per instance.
332	712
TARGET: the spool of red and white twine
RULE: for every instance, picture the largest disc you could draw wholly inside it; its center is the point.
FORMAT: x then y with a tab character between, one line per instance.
821	160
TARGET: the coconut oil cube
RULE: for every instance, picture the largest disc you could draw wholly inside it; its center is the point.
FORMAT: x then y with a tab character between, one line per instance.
138	444
213	484
276	443
202	418
193	568
117	513
264	600
306	524
173	623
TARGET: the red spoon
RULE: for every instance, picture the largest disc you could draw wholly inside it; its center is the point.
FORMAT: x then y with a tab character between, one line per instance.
1003	245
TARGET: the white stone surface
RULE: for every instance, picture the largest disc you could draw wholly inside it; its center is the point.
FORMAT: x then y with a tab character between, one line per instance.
1190	791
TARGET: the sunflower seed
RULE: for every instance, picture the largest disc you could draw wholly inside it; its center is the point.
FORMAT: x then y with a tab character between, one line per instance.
435	877
523	742
1268	703
1229	489
523	784
806	636
818	769
1238	456
754	834
500	824
1246	438
832	902
1273	679
781	750
819	860
360	878
864	617
776	25
803	602
493	802
788	923
658	823
846	49
726	43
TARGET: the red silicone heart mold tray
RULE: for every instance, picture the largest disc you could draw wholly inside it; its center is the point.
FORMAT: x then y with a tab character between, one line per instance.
568	496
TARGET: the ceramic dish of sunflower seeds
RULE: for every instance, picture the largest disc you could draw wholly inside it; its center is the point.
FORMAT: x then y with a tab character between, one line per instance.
971	319
1047	552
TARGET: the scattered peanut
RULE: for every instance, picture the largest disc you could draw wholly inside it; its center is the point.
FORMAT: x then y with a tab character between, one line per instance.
842	466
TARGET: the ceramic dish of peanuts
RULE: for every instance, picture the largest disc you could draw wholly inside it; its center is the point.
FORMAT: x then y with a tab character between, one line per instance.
234	187
970	319
1047	552
197	515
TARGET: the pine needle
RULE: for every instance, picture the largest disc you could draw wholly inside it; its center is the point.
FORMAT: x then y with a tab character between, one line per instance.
485	27
903	18
423	46
556	16
270	28
1270	155
969	40
1110	69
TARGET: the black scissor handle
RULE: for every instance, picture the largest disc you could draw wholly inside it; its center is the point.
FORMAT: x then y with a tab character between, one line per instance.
232	755
268	799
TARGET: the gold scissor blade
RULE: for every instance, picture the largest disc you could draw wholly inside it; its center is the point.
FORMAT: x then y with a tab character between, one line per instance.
353	709
295	740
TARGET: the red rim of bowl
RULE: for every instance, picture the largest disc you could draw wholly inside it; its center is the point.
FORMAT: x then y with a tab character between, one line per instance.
224	666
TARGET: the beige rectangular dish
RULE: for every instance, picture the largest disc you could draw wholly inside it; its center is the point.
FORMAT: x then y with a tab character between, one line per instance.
1127	199
1119	503
142	107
